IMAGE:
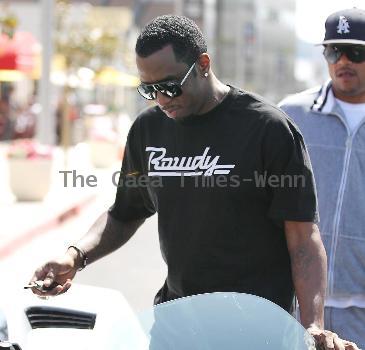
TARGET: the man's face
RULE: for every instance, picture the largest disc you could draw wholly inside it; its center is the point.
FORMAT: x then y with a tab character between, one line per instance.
348	79
162	66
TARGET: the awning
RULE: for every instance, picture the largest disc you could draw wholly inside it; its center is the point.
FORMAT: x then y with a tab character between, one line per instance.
19	53
11	75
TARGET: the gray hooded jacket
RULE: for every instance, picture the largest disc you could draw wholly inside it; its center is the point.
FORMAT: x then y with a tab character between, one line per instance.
338	159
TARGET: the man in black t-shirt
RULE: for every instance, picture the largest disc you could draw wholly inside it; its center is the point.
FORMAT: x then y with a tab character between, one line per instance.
230	179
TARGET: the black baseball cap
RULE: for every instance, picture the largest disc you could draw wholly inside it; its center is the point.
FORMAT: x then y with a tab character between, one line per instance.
345	27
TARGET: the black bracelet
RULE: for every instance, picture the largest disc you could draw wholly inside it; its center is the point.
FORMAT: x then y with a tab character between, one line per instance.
82	254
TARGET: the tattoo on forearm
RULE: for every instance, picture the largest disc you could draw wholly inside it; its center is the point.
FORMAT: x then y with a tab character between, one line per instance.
301	263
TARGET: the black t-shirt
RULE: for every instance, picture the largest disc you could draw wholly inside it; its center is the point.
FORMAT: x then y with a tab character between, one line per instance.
222	184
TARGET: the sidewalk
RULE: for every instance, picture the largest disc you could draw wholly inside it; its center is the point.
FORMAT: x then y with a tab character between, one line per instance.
23	221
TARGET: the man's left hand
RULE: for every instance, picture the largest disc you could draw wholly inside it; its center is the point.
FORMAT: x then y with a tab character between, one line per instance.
327	340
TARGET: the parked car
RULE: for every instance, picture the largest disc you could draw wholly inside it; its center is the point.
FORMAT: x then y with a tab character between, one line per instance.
3	327
96	318
85	317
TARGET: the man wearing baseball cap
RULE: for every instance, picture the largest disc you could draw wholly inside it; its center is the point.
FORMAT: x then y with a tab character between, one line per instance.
332	119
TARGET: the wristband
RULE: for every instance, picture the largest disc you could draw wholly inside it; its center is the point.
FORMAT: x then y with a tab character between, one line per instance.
82	255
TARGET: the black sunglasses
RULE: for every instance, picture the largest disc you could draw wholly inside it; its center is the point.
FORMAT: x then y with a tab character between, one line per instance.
355	53
169	88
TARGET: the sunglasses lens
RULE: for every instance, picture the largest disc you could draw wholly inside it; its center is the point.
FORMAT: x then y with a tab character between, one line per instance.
332	54
355	54
147	91
169	89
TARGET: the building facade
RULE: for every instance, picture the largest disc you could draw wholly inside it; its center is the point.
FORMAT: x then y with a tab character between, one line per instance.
252	42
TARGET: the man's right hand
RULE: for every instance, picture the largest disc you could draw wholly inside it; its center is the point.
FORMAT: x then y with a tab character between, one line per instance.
57	273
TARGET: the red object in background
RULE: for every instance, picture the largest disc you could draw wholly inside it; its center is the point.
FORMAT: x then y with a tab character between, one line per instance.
18	53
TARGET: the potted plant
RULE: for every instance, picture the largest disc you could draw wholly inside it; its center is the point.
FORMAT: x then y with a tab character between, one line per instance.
30	169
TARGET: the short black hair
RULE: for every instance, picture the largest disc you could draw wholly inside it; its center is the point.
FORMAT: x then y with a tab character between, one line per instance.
181	32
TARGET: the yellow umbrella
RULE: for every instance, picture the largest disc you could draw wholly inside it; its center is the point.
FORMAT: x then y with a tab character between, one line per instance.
112	76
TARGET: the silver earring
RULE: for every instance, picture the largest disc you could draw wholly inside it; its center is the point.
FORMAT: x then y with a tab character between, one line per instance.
206	74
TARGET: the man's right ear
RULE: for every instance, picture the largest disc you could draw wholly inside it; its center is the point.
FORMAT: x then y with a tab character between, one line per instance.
203	64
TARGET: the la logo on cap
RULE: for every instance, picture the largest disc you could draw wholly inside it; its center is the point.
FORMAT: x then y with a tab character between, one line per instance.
343	26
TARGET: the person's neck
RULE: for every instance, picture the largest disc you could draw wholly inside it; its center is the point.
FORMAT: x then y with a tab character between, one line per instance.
215	94
360	98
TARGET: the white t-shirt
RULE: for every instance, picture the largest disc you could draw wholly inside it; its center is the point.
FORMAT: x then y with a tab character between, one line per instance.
354	113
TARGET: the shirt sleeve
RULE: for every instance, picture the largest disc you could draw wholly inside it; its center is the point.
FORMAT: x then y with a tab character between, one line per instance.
132	200
289	173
